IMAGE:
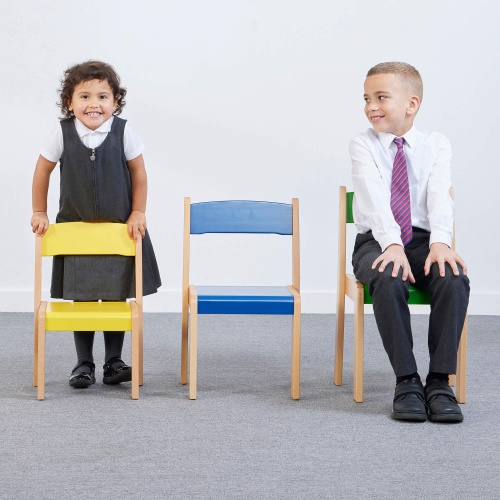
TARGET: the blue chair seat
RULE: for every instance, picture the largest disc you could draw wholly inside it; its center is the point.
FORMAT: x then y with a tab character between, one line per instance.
244	300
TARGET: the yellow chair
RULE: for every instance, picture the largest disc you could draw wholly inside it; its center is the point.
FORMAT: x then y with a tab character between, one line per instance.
82	238
358	293
233	216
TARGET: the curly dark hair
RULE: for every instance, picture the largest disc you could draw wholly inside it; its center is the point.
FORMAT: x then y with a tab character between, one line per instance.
84	72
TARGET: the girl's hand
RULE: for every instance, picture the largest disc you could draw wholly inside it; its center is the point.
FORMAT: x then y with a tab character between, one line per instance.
39	223
137	225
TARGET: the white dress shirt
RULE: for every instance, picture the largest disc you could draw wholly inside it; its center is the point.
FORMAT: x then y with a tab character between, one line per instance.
53	148
428	156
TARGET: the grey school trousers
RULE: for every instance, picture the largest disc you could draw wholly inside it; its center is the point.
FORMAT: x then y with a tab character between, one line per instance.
449	301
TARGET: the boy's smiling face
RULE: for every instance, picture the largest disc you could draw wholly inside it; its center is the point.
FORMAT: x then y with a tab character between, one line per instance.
93	103
389	104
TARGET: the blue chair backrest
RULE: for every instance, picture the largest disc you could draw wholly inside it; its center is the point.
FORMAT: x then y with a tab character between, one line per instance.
234	216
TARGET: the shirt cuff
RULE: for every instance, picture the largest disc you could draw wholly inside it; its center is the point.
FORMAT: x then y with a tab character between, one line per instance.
389	239
439	236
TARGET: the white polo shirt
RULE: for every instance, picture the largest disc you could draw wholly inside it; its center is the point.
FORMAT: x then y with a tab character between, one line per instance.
53	148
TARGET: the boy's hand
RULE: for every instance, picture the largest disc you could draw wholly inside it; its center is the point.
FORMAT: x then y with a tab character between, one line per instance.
441	253
39	223
395	254
137	225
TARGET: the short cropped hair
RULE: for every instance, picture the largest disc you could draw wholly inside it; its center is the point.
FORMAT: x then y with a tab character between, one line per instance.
85	72
408	75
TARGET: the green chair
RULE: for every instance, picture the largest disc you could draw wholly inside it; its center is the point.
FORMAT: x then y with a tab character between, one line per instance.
358	293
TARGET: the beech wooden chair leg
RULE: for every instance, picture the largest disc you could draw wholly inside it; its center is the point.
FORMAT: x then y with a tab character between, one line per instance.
184	343
35	349
295	386
135	354
461	378
141	351
359	334
193	347
40	393
339	339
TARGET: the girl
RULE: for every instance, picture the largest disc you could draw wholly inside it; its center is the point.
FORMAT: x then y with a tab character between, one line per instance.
103	179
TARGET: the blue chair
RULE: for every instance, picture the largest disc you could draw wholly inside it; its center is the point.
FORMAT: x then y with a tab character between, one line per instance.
348	286
258	217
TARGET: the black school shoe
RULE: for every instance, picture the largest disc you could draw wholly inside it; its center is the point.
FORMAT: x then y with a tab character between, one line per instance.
441	403
83	375
116	372
409	401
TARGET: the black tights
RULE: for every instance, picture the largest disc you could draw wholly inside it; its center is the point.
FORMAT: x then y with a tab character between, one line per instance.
84	343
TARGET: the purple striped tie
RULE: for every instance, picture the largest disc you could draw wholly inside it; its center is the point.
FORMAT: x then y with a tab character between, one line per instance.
400	192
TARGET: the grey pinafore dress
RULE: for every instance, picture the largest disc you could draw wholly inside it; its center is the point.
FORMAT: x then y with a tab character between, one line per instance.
98	190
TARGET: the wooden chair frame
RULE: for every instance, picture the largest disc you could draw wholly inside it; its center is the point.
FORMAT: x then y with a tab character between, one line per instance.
358	293
81	238
190	306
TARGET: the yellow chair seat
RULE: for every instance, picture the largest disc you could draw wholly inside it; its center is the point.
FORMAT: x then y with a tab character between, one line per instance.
88	316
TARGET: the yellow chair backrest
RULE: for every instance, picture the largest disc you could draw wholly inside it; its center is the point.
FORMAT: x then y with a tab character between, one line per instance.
87	238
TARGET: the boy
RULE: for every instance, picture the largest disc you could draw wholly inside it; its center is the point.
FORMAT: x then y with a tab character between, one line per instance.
404	214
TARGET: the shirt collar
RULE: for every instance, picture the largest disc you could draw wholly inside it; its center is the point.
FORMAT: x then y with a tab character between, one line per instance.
82	130
386	138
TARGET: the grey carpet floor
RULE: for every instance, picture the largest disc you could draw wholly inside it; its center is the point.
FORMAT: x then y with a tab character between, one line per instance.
244	437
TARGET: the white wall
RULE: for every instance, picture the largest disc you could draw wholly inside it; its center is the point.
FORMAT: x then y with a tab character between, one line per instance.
252	99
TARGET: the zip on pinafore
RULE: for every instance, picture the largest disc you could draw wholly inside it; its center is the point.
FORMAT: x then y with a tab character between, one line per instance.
94	167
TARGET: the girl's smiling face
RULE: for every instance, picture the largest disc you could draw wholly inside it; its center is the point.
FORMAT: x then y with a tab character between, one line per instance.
93	103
